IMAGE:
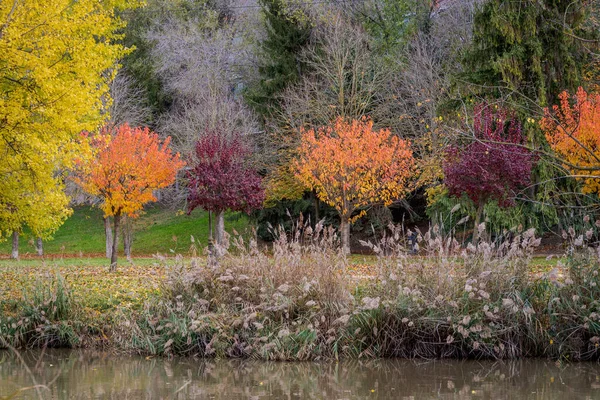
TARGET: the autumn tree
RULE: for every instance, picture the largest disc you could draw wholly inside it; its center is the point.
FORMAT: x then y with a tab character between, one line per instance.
525	53
57	58
422	83
352	166
493	166
343	78
128	106
129	164
573	130
220	179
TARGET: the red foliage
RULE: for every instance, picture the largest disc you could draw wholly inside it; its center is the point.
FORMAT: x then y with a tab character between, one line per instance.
494	165
221	179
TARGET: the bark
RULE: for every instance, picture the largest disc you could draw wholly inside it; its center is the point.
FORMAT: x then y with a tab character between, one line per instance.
345	235
109	237
115	244
15	246
127	237
220	234
210	232
211	245
220	229
39	246
477	222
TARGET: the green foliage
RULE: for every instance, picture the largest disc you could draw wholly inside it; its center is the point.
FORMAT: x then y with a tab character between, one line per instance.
445	211
288	32
527	52
391	23
285	212
528	49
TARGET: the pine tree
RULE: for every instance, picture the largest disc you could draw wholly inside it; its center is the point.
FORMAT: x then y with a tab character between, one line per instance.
287	34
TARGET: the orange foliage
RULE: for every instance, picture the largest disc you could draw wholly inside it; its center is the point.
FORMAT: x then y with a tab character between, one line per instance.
573	131
352	166
128	166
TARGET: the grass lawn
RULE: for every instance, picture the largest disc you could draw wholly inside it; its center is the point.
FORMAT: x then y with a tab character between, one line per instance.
158	230
87	280
359	264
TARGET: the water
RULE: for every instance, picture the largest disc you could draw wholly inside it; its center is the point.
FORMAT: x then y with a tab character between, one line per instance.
94	375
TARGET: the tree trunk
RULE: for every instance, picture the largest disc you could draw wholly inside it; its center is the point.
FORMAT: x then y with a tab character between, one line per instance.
345	235
109	237
478	215
39	246
127	237
115	244
317	209
210	232
220	229
15	246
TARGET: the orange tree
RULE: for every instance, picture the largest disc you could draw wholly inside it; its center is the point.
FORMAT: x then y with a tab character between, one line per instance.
129	164
351	166
573	131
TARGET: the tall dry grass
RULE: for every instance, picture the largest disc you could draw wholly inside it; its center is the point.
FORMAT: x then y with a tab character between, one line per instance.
453	299
298	301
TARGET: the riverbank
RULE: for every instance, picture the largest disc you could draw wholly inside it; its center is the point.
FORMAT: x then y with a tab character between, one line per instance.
301	302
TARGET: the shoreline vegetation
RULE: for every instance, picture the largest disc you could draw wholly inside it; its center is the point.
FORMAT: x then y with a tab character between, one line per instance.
305	300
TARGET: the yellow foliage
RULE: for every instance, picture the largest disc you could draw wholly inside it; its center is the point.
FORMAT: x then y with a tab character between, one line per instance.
282	184
56	60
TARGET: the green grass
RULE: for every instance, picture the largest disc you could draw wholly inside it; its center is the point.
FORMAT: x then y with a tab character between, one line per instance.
158	230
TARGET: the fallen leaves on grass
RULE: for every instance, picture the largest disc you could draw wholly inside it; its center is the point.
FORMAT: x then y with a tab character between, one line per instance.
93	287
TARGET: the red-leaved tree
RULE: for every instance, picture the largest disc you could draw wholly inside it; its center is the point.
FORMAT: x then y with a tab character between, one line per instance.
221	179
494	165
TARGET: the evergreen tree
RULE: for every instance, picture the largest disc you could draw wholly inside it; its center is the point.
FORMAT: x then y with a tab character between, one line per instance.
530	50
287	34
391	23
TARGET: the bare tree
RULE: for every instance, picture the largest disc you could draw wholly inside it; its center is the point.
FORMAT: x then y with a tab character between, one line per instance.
344	78
202	70
422	84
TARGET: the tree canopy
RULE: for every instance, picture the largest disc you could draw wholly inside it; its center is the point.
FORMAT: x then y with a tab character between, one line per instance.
352	166
57	58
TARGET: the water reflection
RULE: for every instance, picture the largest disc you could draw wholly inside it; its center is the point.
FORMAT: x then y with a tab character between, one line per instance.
96	375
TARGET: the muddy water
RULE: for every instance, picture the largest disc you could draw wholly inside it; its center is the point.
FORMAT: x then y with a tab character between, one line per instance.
93	375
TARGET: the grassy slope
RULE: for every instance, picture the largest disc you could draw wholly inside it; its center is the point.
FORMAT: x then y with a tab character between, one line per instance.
157	231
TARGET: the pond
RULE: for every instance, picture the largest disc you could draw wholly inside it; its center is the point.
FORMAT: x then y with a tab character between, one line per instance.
63	374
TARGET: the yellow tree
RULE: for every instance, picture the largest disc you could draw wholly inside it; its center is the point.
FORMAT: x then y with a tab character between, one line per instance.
573	130
351	166
56	60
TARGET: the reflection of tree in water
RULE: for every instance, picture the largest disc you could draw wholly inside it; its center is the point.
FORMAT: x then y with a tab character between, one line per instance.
91	375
